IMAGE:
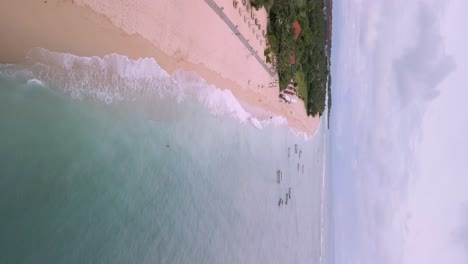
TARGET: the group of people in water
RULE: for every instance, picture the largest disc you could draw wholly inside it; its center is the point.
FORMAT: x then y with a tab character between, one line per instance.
285	201
279	175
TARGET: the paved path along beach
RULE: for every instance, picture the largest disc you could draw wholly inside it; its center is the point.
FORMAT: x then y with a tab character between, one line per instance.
231	25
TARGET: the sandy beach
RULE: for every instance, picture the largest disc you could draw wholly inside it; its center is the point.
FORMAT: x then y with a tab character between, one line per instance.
179	34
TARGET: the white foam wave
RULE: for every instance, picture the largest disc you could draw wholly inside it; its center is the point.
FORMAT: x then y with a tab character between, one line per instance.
256	123
115	78
35	82
275	121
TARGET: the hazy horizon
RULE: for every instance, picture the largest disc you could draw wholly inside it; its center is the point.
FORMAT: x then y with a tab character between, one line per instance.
398	126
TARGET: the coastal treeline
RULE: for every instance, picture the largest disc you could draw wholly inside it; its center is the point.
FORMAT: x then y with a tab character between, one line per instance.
303	57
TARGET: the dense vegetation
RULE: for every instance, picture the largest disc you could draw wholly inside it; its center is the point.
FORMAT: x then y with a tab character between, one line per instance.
312	65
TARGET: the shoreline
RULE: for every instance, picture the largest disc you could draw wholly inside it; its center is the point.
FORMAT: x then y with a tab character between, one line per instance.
178	43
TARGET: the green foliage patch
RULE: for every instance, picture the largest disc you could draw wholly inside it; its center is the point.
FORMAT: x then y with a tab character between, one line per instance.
312	65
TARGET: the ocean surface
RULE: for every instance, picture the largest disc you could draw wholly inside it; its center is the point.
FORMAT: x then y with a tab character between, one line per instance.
115	161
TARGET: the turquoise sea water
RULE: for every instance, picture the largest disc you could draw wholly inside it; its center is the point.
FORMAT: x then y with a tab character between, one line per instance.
115	161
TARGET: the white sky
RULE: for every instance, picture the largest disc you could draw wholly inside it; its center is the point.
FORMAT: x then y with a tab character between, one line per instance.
399	131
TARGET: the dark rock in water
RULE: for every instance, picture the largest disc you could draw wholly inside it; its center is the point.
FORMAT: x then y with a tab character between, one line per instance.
168	146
